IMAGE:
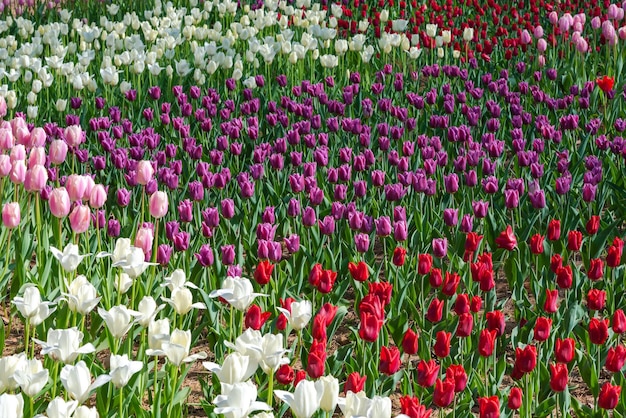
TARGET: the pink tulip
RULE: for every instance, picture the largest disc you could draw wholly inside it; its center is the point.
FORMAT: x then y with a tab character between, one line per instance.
80	218
18	152
76	186
5	165
36	178
16	124
622	33
581	45
553	17
525	37
58	151
542	45
3	107
37	138
596	23
59	202
608	31
158	204
98	196
73	135
145	171
37	157
144	240
11	215
542	60
18	172
22	135
6	139
538	32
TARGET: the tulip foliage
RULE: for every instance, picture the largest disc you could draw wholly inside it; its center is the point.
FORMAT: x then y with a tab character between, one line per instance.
353	208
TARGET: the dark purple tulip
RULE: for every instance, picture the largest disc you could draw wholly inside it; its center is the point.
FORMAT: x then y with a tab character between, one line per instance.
181	241
185	211
211	217
511	198
275	251
400	231
263	249
316	196
247	189
378	178
355	220
205	255
467	223
151	187
123	197
154	92
171	228
383	226
100	102
228	208
292	242
98	219
293	208
113	228
450	217
164	253
360	188
362	242
309	218
537	198
480	208
337	210
440	247
399	214
228	254
451	183
471	178
563	184
269	215
196	191
341	192
327	225
589	192
490	185
75	102
99	163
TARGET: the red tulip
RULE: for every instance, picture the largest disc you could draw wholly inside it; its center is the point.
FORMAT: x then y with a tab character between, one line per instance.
255	317
593	225
442	344
399	254
427	373
315	274
558	377
542	328
370	327
615	359
435	310
382	290
457	373
359	272
328	312
552	298
285	374
526	358
465	326
472	241
619	322
486	342
489	407
596	269
444	393
316	366
409	342
424	264
461	304
495	321
536	244
435	278
410	406
574	240
263	272
596	299
564	350
326	282
281	322
564	277
605	83
319	328
389	360
476	304
515	398
556	262
450	284
354	383
300	376
507	239
609	396
614	253
598	330
554	230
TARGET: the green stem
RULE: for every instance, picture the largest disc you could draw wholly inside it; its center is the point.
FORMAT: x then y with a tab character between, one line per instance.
121	405
270	389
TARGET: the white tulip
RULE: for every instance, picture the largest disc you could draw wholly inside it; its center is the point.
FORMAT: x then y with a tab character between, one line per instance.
122	282
31	306
237	291
176	280
177	349
328	386
158	333
118	319
468	34
300	315
85	412
148	310
133	263
431	30
304	402
447	36
64	345
122	369
69	258
182	301
77	381
58	408
235	369
11	406
354	404
82	295
380	407
32	377
239	400
8	366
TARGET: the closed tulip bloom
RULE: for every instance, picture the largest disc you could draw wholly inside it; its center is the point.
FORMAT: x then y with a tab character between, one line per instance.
305	401
237	291
444	392
32	307
80	218
145	172
144	239
236	368
427	372
36	178
526	358
255	318
119	319
442	344
440	247
383	226
77	381
182	301
564	277
98	196
515	398
558	377
122	369
11	215
435	310
542	328
564	350
285	374
593	225
329	388
456	373
369	327
61	409
31	377
506	239
554	230
410	342
486	342
11	405
424	264
489	407
389	360
596	299
239	400
354	383
399	255
73	135
618	323
81	296
359	271
598	330
465	325
362	242
615	359
58	151
609	396
596	269
574	240
536	244
18	172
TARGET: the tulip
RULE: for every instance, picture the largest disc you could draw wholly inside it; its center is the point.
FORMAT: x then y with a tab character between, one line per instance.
263	272
515	398
299	314
31	377
82	295
596	299
615	359
598	330
593	225
64	345
176	349
442	344
409	342
456	373
236	368
239	400
542	328
526	358
255	317
80	219
618	323
305	401
148	310
554	230
427	372
11	215
122	369
564	350
328	386
32	308
355	383
86	412
359	271
444	392
506	239
158	204
69	258
181	300
435	310
389	360
285	374
130	259
440	247
8	366
411	407
61	409
119	319
11	405
486	342
606	83
609	396
399	255
489	407
237	291
77	381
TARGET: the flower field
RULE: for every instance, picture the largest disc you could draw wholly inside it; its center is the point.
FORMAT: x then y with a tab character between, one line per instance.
299	208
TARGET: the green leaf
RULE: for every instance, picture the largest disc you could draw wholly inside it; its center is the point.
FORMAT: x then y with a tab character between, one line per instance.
545	408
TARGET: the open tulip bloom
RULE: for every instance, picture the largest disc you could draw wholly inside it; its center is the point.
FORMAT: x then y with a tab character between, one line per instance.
77	381
237	291
239	400
177	349
64	345
70	258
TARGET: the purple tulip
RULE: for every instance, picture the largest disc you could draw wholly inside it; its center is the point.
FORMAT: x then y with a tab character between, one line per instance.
181	241
327	225
360	188
205	255
309	218
563	184
440	247
228	208
537	198
337	210
451	183
228	254
266	231
362	242
293	208
316	196
450	217
164	253
269	215
355	220
589	192
378	178
275	251
400	231
171	228
113	228
480	208
292	242
123	197
511	198
185	211
467	223
383	226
